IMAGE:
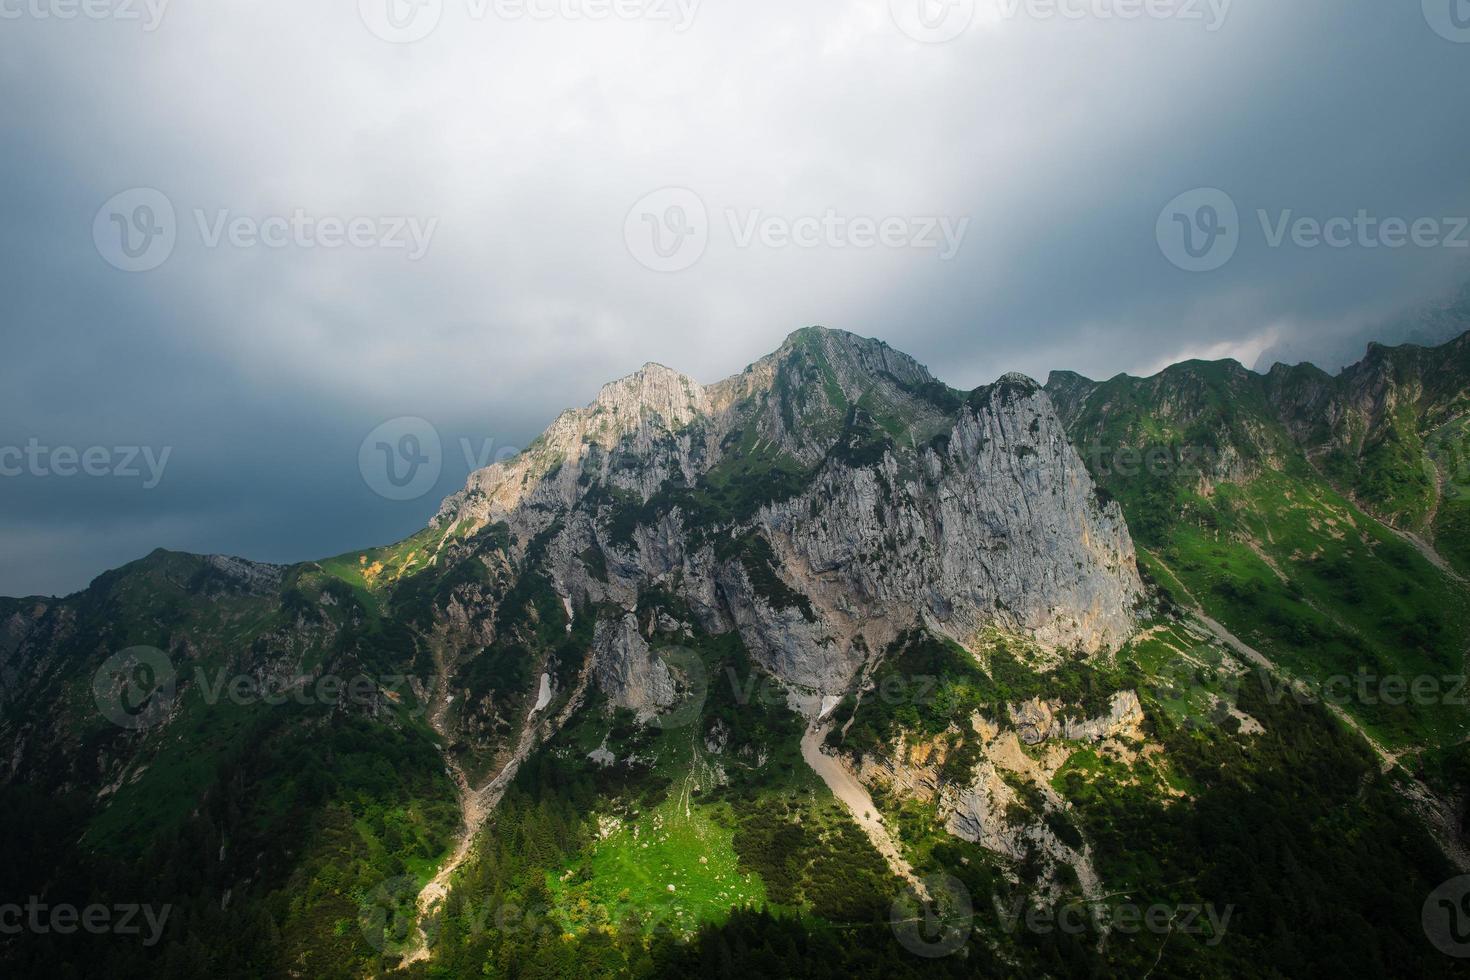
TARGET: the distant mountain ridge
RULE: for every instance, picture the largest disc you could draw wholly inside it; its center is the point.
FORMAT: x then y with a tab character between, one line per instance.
1427	325
1388	429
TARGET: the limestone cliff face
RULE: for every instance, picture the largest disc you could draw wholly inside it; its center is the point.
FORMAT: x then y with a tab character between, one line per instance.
1036	720
995	525
631	674
658	426
825	499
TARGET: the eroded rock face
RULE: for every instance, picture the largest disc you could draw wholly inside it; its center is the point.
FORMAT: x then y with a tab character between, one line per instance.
1036	720
895	502
977	813
1000	527
984	806
628	671
251	576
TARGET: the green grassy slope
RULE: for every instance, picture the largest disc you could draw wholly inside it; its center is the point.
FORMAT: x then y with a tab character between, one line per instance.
1231	514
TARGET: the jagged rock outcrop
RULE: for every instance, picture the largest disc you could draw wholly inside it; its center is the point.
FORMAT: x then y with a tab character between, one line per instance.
997	525
1036	720
825	499
978	812
628	671
984	806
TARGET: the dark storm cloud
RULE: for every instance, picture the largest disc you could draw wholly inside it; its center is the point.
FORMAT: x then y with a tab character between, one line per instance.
510	152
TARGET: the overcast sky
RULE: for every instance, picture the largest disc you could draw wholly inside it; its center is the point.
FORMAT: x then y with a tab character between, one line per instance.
247	233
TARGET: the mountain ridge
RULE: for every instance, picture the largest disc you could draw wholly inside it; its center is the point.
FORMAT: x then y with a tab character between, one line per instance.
836	629
824	406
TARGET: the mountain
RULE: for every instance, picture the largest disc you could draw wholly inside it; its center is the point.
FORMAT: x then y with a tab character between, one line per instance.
805	671
824	500
1323	516
1425	325
1390	431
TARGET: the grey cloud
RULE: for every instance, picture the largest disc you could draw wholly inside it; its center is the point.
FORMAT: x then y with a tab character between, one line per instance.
529	142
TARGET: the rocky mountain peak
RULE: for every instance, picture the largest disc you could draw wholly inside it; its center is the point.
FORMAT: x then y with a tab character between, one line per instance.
654	393
855	361
820	503
1015	379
